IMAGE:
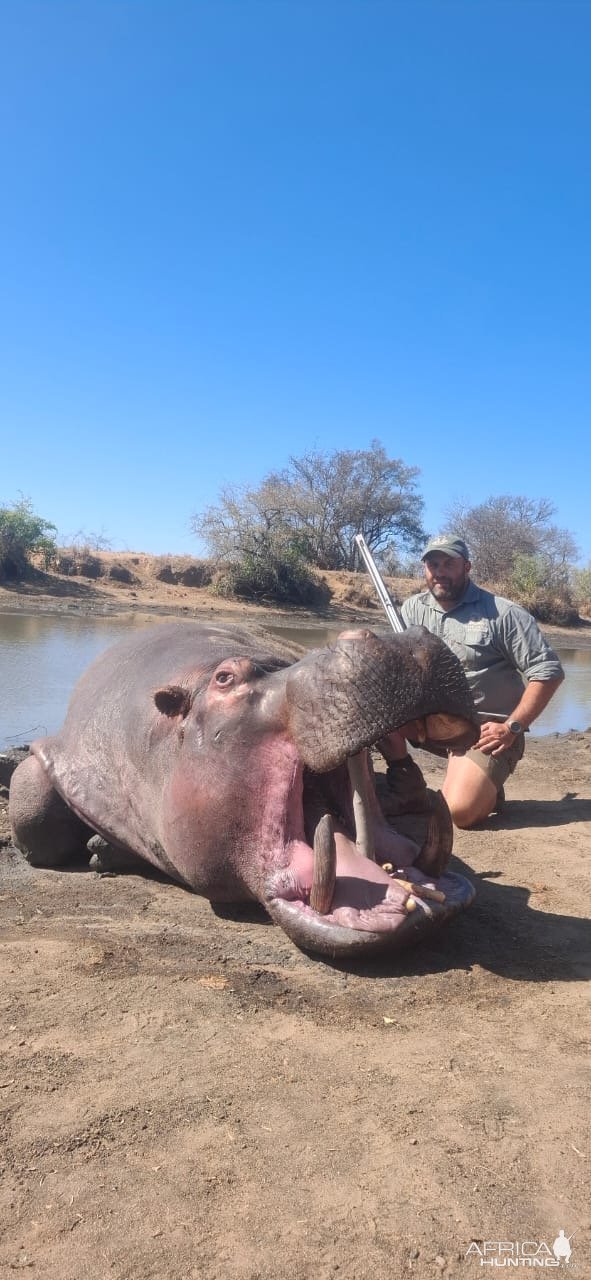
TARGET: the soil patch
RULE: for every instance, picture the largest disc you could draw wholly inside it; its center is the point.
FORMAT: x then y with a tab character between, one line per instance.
183	1094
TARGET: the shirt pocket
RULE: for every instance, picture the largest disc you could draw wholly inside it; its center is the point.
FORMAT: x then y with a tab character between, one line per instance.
469	640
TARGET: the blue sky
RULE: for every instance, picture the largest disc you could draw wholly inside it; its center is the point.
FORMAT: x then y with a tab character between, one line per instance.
234	231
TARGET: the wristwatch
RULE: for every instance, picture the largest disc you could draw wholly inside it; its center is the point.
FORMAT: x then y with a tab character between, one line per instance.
514	725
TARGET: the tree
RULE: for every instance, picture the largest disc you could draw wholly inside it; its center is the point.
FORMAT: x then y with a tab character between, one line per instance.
22	534
316	505
582	588
510	535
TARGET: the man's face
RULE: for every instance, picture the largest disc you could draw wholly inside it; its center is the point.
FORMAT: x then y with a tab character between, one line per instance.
446	577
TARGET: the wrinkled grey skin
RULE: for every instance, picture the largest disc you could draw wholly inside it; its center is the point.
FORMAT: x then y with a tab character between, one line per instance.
209	753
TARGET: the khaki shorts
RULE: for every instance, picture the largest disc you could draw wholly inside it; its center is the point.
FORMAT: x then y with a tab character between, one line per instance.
499	768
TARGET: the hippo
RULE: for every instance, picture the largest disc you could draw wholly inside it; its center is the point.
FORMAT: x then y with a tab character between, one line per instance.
243	771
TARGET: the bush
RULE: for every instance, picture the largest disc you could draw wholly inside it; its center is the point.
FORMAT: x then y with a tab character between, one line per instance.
553	610
197	574
167	574
582	590
183	570
544	590
65	563
286	580
120	573
24	534
79	562
89	567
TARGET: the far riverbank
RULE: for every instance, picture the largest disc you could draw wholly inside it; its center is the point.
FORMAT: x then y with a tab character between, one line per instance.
352	602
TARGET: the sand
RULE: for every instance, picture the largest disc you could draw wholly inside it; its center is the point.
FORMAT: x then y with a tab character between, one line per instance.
187	1096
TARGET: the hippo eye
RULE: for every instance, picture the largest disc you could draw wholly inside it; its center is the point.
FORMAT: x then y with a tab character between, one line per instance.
224	677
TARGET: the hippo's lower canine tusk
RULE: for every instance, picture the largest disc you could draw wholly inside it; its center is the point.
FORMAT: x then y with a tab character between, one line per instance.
325	866
438	843
359	786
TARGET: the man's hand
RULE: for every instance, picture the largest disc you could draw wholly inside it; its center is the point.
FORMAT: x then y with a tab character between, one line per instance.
495	737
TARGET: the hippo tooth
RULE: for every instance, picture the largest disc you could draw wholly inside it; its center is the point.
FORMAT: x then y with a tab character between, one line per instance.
438	842
421	890
364	840
325	866
430	846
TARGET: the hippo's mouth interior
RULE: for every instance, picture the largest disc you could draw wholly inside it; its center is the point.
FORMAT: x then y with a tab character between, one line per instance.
344	871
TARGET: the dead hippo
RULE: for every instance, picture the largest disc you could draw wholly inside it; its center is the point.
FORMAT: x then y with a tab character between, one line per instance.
214	755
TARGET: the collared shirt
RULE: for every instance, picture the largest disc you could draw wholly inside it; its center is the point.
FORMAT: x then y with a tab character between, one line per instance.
498	643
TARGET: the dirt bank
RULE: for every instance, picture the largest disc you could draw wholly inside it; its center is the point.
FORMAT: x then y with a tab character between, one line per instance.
186	1096
353	600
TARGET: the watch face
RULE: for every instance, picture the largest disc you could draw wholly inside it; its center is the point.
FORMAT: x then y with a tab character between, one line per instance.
515	726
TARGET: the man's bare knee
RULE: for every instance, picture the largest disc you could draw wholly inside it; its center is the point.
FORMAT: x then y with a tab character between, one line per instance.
465	816
470	795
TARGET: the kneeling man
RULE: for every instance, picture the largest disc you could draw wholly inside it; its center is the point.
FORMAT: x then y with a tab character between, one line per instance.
511	670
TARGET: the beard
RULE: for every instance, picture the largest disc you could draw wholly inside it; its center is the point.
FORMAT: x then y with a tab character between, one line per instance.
448	592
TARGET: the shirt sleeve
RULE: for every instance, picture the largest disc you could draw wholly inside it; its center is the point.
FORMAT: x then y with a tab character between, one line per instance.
525	647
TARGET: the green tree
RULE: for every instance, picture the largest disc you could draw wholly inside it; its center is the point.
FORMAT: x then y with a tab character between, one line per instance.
22	534
315	506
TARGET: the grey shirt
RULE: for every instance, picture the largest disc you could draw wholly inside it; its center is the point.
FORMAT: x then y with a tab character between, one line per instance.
498	643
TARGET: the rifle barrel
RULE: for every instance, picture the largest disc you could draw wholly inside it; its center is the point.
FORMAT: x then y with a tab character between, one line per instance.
393	614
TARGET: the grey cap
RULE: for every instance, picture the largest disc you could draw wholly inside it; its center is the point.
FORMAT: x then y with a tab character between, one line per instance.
449	544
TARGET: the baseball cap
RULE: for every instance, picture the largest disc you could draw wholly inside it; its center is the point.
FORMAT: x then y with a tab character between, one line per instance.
449	544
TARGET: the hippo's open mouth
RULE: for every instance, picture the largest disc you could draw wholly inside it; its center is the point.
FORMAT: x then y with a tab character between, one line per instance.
347	880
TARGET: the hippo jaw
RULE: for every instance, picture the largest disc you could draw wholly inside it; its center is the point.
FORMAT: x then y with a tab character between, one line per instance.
331	893
330	897
283	823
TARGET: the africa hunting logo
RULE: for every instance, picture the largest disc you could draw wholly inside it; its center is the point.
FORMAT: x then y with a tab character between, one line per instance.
522	1253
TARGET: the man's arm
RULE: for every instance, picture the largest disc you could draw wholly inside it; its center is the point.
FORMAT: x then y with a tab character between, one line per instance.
496	736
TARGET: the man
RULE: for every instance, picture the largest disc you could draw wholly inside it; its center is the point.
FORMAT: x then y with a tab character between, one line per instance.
511	670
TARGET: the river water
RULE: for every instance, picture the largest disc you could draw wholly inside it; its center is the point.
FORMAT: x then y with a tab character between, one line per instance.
42	655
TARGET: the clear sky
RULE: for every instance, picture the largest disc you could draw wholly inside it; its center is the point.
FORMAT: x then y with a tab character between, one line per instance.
235	230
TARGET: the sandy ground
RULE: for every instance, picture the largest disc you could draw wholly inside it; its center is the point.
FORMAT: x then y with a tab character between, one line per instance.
185	1095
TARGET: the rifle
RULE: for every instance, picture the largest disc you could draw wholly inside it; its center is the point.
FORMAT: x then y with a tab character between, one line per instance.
393	614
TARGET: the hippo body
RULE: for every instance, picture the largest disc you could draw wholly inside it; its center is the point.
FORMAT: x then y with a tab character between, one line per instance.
216	756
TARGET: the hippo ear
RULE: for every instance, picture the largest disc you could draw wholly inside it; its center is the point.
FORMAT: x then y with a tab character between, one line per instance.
172	700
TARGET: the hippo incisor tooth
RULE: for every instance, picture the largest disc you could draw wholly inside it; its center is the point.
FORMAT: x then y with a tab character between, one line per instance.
325	866
420	890
361	809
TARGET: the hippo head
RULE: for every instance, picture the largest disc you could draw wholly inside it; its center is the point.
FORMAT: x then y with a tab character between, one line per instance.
269	789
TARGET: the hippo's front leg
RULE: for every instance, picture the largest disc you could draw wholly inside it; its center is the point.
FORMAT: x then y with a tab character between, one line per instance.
46	831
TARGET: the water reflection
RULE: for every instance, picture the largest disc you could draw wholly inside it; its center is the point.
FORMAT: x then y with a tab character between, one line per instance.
42	655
